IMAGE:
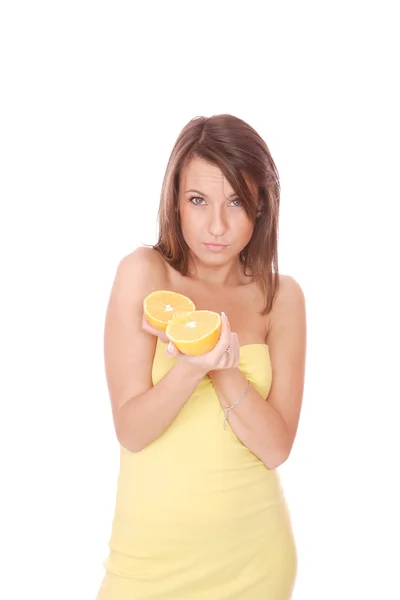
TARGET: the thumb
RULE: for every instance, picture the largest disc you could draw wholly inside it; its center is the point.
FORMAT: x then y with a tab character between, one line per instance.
172	351
225	323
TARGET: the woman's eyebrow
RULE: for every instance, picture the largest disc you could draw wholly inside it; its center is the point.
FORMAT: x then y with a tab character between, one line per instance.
205	195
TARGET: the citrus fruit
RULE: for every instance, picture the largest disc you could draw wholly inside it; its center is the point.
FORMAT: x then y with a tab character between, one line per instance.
160	306
195	332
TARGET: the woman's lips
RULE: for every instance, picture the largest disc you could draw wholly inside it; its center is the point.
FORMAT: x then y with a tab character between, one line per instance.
215	247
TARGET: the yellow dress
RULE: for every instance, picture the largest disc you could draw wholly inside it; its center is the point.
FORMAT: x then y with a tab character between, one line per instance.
198	516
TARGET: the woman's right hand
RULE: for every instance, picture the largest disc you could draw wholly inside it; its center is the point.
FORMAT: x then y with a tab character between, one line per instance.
150	329
216	359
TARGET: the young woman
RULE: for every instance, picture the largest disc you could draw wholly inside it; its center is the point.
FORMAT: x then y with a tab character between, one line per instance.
200	513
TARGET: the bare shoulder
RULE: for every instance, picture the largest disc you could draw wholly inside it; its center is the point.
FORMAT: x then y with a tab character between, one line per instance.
288	314
144	261
287	326
289	295
289	299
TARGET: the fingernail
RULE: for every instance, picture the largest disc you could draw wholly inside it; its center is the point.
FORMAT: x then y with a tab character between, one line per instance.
170	348
223	314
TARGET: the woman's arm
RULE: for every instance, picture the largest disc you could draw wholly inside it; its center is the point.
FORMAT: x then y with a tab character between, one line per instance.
141	412
268	426
145	417
257	424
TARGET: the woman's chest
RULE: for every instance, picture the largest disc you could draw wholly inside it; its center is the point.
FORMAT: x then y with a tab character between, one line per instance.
243	307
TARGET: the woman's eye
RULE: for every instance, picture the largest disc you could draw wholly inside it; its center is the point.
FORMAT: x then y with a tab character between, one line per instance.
197	201
194	199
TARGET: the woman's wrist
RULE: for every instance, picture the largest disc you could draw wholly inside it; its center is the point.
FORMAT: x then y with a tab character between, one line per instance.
189	369
220	373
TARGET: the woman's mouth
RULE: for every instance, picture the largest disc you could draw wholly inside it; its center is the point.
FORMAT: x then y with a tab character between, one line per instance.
215	247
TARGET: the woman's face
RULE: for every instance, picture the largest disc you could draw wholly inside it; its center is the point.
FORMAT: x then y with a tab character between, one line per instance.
214	223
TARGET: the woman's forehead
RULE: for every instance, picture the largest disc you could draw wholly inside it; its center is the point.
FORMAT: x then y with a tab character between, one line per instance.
200	169
204	176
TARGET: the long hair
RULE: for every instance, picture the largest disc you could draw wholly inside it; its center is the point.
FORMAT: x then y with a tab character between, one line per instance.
239	151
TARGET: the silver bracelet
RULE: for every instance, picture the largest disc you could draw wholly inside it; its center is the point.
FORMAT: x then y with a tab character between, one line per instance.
226	409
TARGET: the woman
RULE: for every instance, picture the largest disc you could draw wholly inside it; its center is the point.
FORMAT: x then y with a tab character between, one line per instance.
200	513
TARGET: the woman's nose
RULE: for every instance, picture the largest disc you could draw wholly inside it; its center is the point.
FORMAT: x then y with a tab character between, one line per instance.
217	224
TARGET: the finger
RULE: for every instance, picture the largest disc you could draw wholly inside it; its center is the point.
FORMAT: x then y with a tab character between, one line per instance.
234	352
228	359
225	337
163	337
150	329
146	325
225	322
172	351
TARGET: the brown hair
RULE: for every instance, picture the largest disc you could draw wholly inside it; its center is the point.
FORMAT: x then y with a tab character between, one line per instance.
239	151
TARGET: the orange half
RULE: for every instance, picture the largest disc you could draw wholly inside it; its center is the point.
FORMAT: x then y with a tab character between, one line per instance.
196	332
159	307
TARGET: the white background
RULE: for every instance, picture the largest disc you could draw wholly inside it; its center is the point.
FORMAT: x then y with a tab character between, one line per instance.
93	96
